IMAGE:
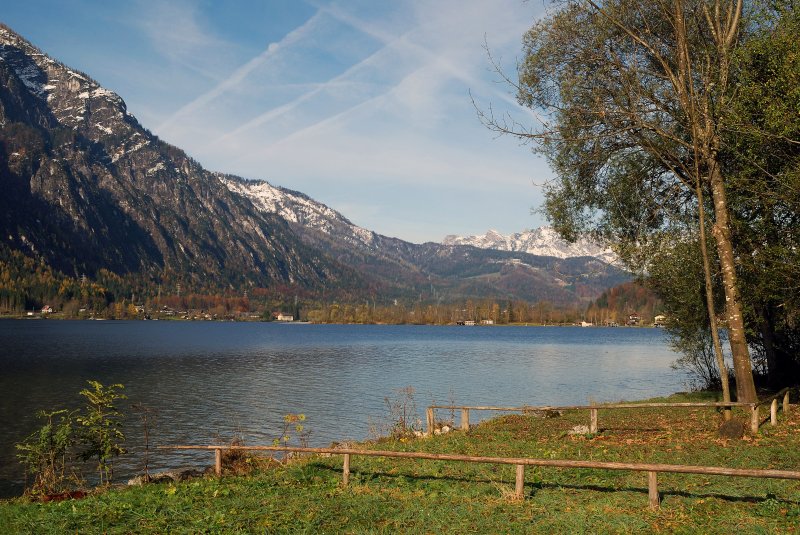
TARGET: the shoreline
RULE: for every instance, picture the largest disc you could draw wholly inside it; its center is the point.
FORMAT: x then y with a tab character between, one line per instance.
56	317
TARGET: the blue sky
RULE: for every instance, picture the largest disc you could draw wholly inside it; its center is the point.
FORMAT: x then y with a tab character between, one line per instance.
362	105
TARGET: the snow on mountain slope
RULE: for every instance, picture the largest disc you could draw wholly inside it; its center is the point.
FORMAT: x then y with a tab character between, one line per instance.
542	241
299	209
75	99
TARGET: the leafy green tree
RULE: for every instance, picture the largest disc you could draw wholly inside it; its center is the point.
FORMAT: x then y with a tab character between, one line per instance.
633	98
676	274
763	158
101	427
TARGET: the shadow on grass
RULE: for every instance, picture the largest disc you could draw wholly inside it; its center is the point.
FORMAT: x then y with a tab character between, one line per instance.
664	493
531	488
631	430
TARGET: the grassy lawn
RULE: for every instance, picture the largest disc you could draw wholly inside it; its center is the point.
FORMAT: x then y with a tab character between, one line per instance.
391	495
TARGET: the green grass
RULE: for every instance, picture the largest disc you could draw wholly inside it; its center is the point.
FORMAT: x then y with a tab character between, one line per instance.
391	495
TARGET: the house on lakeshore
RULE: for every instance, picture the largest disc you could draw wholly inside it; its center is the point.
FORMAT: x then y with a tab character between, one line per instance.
284	317
633	319
47	309
659	321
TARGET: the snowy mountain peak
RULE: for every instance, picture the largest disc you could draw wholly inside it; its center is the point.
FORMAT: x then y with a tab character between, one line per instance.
299	209
543	241
74	98
305	213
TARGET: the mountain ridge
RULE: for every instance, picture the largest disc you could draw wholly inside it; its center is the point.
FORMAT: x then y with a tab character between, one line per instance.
89	188
112	187
539	241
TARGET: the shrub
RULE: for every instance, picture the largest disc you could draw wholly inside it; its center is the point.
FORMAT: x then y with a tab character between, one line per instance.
45	453
101	428
403	418
292	423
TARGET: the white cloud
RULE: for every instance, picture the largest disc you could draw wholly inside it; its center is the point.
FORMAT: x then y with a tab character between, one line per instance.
240	75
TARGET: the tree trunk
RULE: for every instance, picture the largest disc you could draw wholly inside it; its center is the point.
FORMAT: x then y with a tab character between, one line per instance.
768	341
745	386
712	315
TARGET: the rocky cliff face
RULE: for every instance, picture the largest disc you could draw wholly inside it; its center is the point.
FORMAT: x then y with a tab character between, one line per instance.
88	188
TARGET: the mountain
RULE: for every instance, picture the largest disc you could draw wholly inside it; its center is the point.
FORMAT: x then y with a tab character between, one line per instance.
541	241
87	188
304	213
437	271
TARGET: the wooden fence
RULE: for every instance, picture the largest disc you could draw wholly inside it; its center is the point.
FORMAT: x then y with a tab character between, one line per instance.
652	470
755	417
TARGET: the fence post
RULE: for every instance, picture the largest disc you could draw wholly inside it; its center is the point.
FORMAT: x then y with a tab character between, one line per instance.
593	421
773	412
465	419
429	421
786	403
652	489
218	461
519	488
754	419
346	470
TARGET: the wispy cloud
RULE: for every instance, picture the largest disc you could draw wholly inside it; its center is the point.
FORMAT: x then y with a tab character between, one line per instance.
240	74
333	83
176	30
417	89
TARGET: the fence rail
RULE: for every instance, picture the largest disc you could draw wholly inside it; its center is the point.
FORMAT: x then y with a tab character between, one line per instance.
652	470
755	417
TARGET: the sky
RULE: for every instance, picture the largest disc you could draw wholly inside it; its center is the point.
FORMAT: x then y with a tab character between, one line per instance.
364	105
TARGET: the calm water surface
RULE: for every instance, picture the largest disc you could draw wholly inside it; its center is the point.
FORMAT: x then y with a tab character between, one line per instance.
215	380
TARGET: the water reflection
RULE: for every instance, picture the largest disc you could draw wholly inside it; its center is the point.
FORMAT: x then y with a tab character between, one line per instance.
214	380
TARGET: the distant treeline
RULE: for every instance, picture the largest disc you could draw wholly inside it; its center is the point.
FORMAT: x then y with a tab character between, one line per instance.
619	303
615	305
29	285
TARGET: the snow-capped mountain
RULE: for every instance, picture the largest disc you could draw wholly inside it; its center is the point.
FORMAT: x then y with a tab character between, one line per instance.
543	241
300	210
87	188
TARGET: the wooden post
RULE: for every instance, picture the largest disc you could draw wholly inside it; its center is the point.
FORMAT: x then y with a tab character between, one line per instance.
773	412
754	419
429	421
652	489
465	419
786	403
519	488
346	470
593	421
218	461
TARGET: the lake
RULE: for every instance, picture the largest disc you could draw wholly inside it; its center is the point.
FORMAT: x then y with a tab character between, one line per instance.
213	381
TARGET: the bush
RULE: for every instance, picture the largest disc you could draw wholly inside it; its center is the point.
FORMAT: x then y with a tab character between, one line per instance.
101	427
45	453
403	418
